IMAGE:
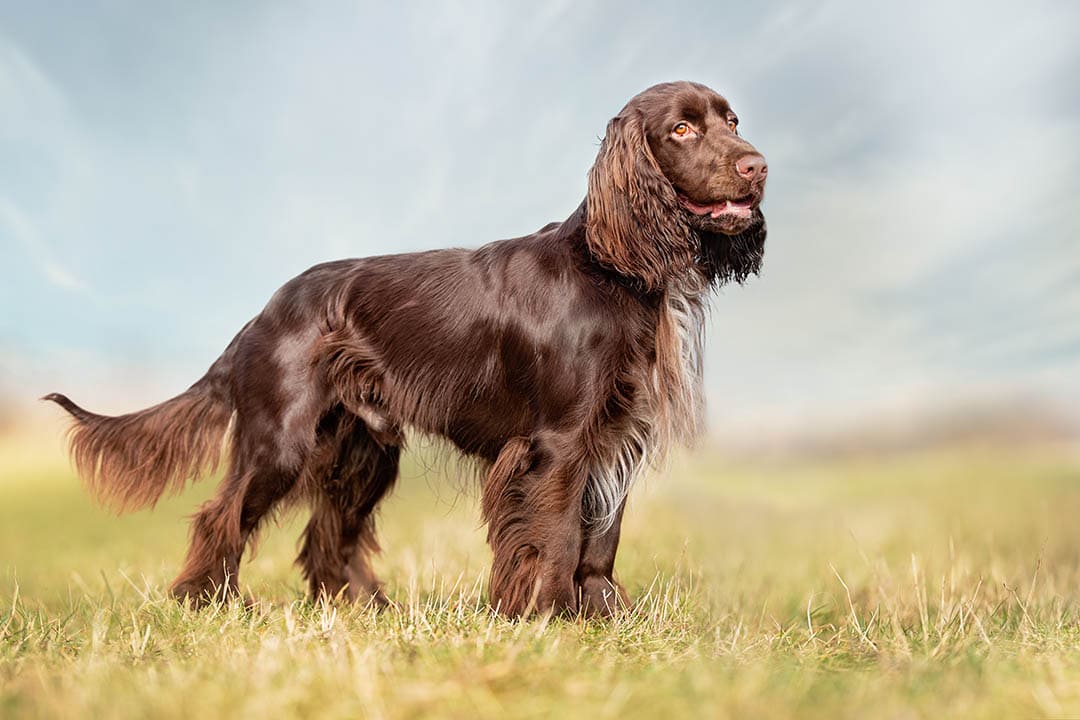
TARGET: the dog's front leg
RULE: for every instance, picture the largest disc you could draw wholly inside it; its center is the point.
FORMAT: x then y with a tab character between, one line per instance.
600	593
532	504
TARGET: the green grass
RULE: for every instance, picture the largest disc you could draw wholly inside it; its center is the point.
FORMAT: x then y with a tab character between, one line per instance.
940	584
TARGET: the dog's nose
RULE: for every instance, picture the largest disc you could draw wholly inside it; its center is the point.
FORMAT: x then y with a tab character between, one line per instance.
752	167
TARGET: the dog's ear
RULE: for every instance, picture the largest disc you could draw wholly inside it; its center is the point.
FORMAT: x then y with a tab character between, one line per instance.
635	224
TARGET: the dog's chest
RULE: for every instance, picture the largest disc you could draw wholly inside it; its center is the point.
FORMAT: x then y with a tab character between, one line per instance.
668	411
676	387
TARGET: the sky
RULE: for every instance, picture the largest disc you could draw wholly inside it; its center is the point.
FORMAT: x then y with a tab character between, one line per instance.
165	167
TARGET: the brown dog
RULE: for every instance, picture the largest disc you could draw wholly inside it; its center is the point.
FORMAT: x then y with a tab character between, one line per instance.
564	361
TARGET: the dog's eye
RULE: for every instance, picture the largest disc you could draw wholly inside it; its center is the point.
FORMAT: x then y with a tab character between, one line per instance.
733	125
682	129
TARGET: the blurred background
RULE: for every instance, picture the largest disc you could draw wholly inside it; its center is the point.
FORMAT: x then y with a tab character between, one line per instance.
166	167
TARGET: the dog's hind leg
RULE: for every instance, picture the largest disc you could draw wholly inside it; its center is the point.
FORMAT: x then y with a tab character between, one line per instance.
355	469
280	399
223	526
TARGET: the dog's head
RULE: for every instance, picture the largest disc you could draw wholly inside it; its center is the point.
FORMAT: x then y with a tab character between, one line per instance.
676	187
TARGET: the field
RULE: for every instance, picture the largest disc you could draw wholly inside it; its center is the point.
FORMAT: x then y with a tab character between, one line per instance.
934	584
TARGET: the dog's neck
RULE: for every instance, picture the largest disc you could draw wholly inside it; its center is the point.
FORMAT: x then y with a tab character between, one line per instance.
720	258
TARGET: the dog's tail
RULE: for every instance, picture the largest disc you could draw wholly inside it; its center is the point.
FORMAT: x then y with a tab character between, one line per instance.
130	461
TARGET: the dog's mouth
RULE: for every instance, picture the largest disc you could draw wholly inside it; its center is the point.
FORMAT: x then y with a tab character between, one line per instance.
741	208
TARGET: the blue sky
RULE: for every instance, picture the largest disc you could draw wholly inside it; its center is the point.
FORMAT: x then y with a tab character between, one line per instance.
164	168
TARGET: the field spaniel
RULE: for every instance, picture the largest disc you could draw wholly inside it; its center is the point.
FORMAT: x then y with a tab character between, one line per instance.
563	363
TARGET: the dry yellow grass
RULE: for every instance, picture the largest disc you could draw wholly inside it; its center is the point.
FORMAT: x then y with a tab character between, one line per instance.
935	584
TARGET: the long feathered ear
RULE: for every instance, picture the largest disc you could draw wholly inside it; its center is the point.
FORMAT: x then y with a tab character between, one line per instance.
635	224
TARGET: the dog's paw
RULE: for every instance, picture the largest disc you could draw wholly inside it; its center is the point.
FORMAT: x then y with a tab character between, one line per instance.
602	596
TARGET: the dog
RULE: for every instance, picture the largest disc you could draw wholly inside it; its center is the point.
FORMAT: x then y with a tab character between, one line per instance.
564	363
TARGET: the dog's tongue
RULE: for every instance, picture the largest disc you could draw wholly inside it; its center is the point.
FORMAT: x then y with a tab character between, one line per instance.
715	210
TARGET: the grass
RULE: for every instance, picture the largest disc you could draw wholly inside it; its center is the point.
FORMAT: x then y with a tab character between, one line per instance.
935	584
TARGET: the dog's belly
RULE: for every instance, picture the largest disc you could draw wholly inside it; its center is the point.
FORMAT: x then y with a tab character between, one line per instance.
482	414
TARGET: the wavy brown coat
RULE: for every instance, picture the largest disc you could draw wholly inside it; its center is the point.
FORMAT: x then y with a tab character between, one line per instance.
563	362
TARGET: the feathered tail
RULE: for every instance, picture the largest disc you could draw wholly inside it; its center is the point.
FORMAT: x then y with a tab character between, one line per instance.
130	461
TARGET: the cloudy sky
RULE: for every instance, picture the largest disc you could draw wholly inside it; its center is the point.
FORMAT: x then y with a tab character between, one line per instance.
164	168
